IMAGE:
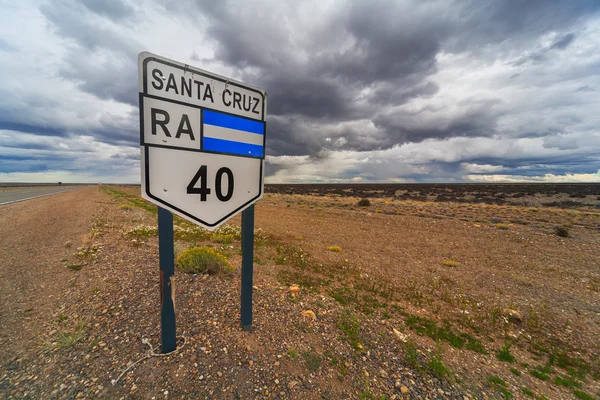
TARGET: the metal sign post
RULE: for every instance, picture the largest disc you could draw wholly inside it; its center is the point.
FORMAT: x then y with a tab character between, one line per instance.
166	257
247	267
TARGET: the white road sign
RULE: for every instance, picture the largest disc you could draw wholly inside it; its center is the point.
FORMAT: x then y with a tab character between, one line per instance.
202	140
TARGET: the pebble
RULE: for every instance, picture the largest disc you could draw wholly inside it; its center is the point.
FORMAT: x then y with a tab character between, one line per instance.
193	358
404	389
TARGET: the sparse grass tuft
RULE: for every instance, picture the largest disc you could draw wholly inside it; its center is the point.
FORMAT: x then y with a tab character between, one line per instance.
293	354
349	324
335	249
493	379
436	366
568	382
527	392
582	395
312	360
539	374
411	354
515	371
67	338
203	260
500	386
504	354
75	267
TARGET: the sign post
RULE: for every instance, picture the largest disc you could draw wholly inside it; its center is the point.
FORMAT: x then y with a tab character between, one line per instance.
167	284
247	267
202	145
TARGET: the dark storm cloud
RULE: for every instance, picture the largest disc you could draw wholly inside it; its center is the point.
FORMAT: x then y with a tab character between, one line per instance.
474	119
484	22
388	53
29	128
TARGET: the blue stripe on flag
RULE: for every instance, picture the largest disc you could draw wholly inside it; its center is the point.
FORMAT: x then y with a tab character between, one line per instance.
231	122
227	146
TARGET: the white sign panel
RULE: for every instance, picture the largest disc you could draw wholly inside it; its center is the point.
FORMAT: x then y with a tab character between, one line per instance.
202	140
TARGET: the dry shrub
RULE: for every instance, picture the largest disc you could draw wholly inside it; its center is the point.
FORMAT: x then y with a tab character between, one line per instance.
203	260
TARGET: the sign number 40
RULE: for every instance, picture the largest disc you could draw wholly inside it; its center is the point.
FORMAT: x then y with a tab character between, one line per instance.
204	190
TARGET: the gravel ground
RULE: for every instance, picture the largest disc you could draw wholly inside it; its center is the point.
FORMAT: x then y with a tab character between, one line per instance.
79	297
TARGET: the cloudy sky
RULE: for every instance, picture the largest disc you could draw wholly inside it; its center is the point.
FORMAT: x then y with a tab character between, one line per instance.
358	91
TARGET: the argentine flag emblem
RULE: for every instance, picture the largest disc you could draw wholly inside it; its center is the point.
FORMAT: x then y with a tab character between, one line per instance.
228	134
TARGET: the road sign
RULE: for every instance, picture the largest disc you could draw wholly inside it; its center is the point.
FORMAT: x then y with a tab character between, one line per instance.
202	140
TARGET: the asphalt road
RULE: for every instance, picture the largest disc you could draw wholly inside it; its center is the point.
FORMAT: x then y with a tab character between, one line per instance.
25	193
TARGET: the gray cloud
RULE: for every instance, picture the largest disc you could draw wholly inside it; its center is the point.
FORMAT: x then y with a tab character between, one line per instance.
114	9
585	88
350	77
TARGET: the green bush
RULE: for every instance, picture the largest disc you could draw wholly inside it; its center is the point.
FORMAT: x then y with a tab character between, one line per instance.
203	260
364	203
561	231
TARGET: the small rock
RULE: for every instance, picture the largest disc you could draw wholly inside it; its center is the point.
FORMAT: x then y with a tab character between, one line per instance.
193	358
294	289
404	389
397	385
309	314
512	315
250	363
399	335
292	384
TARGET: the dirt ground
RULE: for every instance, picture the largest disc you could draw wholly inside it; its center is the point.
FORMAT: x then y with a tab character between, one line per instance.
407	299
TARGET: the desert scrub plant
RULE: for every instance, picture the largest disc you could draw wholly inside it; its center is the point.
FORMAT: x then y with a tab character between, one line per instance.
190	232
561	231
203	260
141	231
451	263
502	226
75	267
125	207
218	238
89	252
364	203
335	249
